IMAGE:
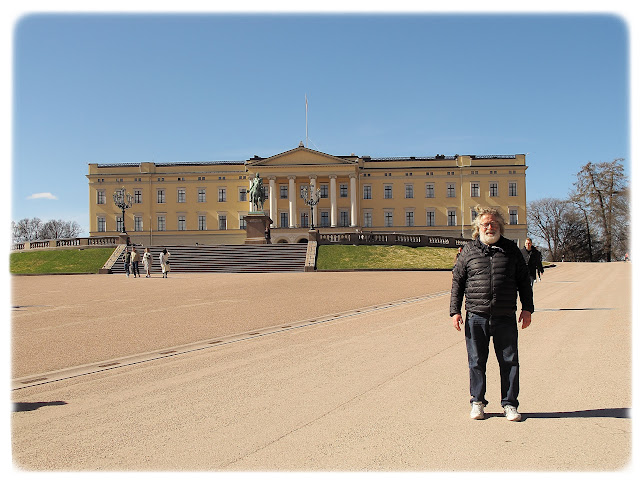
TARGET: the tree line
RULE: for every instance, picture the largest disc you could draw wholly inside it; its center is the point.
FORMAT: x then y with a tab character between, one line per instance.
33	229
592	224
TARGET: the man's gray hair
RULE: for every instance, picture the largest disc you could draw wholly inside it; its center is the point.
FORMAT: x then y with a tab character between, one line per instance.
481	211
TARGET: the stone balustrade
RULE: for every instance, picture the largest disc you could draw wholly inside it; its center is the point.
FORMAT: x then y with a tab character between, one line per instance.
410	240
107	241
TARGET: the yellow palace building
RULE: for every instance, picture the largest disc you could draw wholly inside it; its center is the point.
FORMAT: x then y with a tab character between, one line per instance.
206	202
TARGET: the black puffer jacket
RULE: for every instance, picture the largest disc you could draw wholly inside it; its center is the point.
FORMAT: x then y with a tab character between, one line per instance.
490	278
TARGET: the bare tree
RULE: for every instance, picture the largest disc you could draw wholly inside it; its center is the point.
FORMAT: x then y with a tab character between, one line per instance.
602	190
577	243
579	203
27	230
545	220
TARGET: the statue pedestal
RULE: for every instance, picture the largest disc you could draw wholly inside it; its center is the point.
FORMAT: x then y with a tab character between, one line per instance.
256	225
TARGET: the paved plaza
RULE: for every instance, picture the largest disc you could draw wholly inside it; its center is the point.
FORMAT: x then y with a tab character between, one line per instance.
350	372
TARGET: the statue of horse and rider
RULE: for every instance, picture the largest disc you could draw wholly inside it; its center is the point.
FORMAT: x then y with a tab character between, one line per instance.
256	193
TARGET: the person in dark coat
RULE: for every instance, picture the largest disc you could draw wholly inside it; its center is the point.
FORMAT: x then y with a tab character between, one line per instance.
127	261
489	274
533	259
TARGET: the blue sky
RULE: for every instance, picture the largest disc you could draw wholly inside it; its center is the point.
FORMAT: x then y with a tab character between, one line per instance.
107	88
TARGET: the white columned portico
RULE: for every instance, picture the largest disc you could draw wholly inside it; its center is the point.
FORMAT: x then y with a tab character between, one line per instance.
334	200
312	194
273	201
293	214
354	195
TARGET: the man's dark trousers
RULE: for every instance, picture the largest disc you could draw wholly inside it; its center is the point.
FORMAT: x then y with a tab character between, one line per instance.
504	330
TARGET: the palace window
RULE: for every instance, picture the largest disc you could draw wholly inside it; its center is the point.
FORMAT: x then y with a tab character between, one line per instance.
324	190
324	219
493	189
119	224
344	190
284	219
513	216
242	194
431	218
222	194
451	218
284	191
388	191
202	222
222	222
366	192
137	196
451	190
102	224
475	189
202	195
304	219
368	219
182	222
409	220
344	218
162	223
408	190
102	197
243	222
388	218
182	195
161	198
431	190
513	189
137	223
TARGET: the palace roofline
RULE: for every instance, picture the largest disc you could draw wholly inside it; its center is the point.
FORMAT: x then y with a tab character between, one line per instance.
366	158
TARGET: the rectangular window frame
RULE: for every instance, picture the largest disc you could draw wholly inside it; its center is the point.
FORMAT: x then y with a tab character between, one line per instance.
430	190
408	190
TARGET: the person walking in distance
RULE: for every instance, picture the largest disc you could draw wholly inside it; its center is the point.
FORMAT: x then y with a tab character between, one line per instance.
489	274
164	262
135	262
127	260
533	259
147	261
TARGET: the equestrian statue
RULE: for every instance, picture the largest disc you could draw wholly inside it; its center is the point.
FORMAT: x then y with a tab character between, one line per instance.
256	193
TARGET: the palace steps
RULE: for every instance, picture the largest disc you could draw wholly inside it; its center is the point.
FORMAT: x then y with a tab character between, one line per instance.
280	257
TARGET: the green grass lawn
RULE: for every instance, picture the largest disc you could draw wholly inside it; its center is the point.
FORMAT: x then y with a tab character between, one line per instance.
347	257
89	260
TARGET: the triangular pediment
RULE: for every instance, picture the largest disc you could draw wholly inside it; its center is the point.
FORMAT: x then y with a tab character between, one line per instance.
301	156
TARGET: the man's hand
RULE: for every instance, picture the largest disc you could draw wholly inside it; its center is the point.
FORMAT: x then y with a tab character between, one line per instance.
457	321
525	318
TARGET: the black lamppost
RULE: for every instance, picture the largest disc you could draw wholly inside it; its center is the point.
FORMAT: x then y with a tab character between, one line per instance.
123	200
311	199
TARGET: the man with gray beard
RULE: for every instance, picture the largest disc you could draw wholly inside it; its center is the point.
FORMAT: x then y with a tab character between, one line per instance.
489	274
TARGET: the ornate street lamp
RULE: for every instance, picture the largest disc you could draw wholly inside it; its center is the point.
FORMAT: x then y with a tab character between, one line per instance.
123	200
311	199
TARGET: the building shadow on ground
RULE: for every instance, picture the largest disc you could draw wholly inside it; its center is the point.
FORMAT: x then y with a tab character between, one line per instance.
31	406
596	413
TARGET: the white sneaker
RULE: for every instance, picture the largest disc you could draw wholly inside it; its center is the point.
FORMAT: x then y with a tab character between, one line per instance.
477	411
511	413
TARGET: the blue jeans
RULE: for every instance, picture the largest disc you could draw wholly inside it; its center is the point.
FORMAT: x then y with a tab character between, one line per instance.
504	330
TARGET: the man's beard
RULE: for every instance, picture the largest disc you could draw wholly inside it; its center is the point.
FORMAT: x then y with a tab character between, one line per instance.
489	239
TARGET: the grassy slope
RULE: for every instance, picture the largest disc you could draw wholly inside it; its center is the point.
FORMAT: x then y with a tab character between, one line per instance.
89	260
345	257
330	257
